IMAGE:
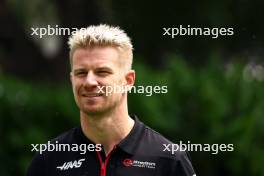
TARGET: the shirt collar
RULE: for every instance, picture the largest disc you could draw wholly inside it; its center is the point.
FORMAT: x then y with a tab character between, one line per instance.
130	143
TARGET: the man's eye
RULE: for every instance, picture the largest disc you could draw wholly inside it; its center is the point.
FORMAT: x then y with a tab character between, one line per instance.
80	73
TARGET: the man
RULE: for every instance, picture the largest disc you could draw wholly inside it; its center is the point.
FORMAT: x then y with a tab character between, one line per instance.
101	57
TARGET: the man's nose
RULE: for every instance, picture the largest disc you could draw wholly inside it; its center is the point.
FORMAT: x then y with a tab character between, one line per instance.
91	80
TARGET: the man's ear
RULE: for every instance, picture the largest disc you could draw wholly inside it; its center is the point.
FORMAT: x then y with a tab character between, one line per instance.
130	78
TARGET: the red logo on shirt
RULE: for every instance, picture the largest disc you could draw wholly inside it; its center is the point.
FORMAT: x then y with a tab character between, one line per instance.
127	162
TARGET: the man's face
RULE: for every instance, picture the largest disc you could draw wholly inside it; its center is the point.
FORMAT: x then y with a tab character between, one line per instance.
93	68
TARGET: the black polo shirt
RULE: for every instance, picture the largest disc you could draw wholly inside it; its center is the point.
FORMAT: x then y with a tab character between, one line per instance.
141	153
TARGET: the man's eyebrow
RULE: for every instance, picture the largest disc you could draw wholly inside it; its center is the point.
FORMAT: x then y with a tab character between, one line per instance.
104	68
78	70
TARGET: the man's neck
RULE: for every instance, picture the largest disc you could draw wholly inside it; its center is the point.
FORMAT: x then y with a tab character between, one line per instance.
107	130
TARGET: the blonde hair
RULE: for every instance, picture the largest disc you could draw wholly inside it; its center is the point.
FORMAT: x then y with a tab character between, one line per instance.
102	35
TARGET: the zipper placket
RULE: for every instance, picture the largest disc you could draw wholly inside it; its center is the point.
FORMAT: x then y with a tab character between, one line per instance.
104	164
103	169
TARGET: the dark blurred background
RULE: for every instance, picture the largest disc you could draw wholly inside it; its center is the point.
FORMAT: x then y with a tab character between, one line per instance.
215	86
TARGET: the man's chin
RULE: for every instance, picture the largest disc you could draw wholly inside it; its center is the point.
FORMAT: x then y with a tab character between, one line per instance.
94	111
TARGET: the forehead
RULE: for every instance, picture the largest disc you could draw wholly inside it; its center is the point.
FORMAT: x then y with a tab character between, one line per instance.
95	57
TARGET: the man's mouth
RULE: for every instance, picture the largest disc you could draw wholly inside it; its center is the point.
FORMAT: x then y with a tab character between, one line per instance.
92	94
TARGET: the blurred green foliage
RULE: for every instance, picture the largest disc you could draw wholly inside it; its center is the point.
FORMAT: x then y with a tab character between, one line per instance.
216	103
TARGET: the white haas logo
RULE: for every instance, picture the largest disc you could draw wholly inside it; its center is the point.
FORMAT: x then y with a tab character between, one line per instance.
71	164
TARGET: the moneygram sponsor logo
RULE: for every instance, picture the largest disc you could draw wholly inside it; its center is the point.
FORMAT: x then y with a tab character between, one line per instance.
213	148
128	162
59	147
147	90
137	163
